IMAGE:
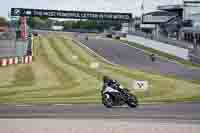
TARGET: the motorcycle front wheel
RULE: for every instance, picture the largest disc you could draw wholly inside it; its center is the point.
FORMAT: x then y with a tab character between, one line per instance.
107	100
132	101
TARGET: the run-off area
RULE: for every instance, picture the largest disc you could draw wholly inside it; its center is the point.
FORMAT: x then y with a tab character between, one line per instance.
95	125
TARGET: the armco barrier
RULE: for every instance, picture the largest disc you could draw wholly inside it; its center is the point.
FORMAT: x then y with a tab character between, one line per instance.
16	60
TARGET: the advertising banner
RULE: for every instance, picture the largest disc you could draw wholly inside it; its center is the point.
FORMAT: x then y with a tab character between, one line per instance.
72	14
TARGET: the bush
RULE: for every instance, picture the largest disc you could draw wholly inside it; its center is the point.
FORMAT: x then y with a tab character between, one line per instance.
35	33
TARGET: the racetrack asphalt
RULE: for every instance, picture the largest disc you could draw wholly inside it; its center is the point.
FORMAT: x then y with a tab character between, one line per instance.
174	111
122	54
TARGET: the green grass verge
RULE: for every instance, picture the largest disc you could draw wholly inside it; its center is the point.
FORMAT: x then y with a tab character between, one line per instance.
54	77
24	76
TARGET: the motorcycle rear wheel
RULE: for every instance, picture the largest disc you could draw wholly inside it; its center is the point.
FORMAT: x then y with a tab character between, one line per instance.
132	101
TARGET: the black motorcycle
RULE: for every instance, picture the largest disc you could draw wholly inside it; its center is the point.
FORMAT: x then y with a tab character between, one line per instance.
113	94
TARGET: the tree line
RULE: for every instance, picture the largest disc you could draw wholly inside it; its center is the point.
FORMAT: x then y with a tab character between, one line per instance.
46	23
42	22
3	21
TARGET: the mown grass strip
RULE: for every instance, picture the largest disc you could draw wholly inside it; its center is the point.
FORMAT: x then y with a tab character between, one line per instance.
60	95
172	100
24	76
41	101
84	82
75	50
63	76
85	69
23	91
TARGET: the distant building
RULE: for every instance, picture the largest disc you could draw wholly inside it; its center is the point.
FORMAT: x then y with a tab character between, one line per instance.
177	9
178	21
192	13
134	25
192	33
124	28
191	8
161	23
170	19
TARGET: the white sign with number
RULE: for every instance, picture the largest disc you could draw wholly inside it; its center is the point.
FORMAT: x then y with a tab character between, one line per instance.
140	85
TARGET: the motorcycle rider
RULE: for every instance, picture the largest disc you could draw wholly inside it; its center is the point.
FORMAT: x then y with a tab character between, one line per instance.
111	82
113	94
153	58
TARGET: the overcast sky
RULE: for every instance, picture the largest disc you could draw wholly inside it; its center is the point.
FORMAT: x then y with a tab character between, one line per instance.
133	6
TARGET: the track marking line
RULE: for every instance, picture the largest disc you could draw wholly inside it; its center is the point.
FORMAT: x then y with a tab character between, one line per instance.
62	104
23	105
90	50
